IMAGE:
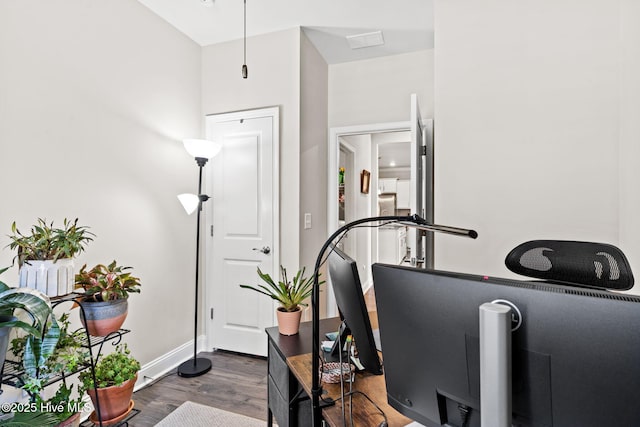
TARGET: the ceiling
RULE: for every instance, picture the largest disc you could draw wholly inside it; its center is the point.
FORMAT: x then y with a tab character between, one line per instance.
406	25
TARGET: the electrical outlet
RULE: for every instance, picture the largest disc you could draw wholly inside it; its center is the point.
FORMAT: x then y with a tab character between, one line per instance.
307	221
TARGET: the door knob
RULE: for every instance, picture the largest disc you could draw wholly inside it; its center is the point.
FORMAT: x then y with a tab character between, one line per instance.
265	250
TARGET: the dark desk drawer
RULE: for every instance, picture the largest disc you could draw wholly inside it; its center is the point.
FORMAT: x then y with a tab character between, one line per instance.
279	371
294	414
289	404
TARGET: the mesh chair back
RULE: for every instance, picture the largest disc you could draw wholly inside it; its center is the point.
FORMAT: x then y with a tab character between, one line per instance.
585	264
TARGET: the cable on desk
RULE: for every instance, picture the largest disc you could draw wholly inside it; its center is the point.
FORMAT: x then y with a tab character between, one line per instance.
344	421
386	421
352	392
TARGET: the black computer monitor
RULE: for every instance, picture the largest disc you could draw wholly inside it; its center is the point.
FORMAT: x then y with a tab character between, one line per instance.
347	289
575	356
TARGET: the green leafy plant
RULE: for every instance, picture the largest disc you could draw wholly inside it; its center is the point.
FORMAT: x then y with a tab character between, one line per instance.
290	294
44	357
111	370
106	283
65	406
63	400
36	304
46	242
35	418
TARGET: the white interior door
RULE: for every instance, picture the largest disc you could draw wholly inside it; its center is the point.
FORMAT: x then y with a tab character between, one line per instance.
421	185
244	229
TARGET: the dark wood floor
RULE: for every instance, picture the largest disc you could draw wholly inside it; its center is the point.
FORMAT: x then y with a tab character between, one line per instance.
236	383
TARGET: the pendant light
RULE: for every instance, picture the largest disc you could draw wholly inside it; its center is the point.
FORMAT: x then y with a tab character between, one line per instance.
245	71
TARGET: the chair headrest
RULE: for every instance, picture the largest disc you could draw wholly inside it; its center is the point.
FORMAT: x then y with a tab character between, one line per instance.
584	264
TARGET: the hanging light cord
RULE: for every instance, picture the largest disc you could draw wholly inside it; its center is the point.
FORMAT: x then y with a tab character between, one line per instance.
245	71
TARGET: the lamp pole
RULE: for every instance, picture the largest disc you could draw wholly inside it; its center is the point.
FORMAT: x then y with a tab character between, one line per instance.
198	365
410	221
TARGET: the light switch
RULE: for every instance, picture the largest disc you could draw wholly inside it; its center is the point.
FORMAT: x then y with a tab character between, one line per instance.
307	220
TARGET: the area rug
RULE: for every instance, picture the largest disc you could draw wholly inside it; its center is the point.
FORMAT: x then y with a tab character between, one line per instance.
196	415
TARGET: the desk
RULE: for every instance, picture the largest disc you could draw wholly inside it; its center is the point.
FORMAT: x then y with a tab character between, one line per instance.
289	387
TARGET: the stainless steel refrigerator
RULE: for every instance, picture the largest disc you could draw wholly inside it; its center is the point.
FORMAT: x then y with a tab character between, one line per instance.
387	204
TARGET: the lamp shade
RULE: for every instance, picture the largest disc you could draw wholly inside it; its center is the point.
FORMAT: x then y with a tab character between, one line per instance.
189	202
202	148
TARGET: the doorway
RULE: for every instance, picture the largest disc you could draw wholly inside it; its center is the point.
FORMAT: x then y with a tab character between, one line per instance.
361	244
367	142
242	226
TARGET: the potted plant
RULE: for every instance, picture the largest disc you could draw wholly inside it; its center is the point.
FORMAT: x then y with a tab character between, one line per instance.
105	299
290	295
67	409
115	377
36	305
43	359
45	254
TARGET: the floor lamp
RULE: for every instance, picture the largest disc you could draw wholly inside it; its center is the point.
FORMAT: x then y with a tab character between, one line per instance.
202	150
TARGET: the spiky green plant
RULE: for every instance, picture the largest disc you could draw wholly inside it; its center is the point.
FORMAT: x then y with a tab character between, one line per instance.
46	242
44	358
290	294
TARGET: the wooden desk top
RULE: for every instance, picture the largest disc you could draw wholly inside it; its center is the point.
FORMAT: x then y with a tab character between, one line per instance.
364	413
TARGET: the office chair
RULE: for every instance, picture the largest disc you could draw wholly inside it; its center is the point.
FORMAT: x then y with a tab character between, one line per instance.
583	264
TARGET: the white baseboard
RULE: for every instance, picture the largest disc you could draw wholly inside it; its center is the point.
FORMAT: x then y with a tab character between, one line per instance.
367	285
148	373
155	369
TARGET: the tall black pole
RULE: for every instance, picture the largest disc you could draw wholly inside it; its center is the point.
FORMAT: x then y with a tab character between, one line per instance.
197	366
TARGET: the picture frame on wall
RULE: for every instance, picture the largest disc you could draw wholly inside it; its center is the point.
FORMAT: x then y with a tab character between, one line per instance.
365	181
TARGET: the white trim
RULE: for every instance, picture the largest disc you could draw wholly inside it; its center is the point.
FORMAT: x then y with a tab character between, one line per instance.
164	364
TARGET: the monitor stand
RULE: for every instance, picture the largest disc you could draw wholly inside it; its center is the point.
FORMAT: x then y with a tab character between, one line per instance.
338	344
495	365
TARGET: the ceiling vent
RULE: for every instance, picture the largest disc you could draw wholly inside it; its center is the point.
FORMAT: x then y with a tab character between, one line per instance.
206	3
358	41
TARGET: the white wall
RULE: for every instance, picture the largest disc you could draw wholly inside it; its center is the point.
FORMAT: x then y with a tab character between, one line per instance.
378	90
313	155
273	61
94	99
533	126
629	91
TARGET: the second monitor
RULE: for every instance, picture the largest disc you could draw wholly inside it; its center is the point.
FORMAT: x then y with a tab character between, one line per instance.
347	288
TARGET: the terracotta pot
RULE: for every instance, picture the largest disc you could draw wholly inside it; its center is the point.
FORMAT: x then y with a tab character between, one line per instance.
72	421
104	317
288	321
114	401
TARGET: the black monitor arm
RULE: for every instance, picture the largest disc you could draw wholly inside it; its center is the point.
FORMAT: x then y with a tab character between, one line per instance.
411	221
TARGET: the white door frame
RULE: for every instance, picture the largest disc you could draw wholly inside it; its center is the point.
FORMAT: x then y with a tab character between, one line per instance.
349	213
273	112
332	185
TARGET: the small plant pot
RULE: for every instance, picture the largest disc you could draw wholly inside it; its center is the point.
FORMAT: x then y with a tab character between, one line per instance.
104	317
72	421
288	321
51	278
115	402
